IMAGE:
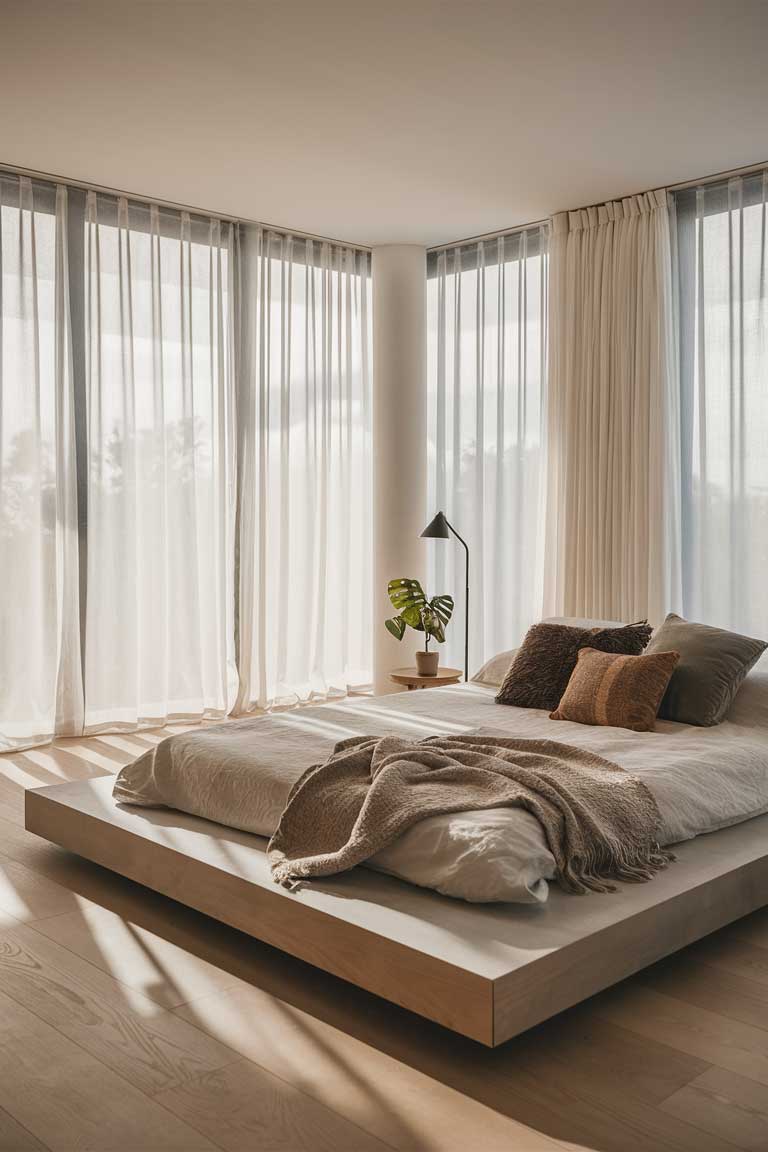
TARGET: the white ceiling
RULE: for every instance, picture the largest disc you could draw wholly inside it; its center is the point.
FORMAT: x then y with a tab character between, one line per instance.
387	121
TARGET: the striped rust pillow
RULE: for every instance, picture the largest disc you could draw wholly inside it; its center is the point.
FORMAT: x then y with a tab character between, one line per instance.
615	690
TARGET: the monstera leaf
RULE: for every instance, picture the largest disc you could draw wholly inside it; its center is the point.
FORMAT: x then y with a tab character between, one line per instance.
396	626
408	600
436	615
442	606
415	611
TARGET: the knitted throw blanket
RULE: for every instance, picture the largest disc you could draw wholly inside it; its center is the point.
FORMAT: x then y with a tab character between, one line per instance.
599	821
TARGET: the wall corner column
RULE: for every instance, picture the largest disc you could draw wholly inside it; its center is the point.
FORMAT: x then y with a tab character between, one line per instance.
399	440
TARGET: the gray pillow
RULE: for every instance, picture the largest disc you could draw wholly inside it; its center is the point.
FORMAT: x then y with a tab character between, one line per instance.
712	666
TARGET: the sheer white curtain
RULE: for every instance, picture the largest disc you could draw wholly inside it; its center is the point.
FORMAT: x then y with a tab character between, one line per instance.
722	264
486	358
304	490
612	507
160	496
40	675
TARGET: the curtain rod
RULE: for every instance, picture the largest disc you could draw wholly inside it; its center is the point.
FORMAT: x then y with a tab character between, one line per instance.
33	173
487	236
88	186
679	187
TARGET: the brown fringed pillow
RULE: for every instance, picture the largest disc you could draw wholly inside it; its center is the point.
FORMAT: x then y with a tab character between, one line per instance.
543	666
618	691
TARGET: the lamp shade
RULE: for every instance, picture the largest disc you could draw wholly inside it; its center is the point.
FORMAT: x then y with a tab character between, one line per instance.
437	529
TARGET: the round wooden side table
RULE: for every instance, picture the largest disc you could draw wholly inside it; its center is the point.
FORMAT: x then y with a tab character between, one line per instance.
412	678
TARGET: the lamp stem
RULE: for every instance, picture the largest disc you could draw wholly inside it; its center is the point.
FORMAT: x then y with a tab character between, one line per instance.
466	598
466	620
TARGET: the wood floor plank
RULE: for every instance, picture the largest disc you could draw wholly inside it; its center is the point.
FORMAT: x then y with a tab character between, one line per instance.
587	1116
130	745
243	1108
736	956
402	1106
162	970
69	1100
50	764
685	978
604	1059
753	929
15	1138
100	757
585	1084
151	1048
719	1040
28	896
11	798
725	1104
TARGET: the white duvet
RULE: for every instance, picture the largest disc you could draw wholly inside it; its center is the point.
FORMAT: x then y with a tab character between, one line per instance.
240	773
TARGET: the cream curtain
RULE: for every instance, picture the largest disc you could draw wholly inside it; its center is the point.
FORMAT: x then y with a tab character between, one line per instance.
486	361
40	674
612	496
722	268
304	485
159	638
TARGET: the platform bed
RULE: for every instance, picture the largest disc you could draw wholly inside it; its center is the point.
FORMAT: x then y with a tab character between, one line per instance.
487	971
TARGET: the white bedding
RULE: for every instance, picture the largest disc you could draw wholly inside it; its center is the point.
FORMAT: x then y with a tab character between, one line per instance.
240	773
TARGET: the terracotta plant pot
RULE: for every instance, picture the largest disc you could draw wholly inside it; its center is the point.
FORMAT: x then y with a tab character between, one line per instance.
426	663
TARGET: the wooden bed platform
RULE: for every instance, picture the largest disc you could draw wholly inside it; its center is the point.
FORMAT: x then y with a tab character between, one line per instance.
487	971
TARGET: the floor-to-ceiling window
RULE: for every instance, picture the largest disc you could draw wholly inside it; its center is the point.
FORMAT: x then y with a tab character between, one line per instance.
305	542
160	464
722	273
185	434
486	357
40	687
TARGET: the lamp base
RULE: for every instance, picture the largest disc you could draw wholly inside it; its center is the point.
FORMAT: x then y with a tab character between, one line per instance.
427	663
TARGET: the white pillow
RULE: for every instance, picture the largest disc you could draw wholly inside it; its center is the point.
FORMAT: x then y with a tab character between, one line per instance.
494	670
498	854
580	622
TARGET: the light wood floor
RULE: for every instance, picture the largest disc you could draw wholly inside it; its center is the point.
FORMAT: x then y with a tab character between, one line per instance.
130	1023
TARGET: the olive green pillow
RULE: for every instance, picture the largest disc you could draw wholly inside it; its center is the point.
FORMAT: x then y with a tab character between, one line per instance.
712	666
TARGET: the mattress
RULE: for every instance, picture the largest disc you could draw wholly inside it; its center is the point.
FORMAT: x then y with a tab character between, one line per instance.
240	773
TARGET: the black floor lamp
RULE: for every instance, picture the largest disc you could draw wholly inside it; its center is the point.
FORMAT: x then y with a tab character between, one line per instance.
439	529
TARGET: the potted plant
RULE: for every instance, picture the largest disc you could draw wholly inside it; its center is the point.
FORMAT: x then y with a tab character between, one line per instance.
427	616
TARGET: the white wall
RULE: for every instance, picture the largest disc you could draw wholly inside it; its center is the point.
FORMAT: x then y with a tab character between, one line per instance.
399	441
